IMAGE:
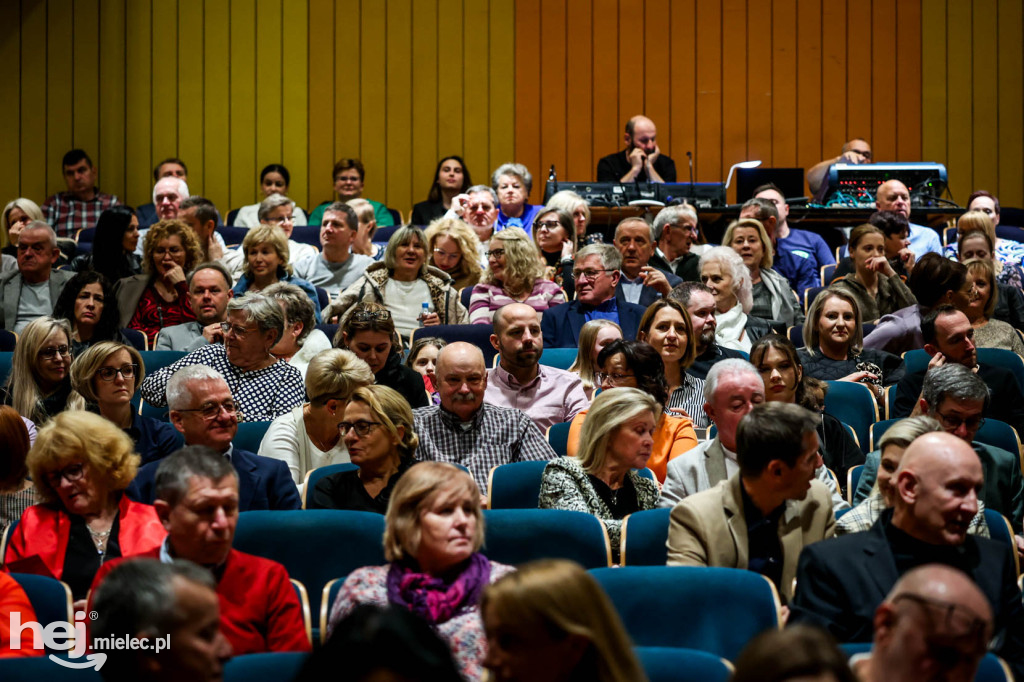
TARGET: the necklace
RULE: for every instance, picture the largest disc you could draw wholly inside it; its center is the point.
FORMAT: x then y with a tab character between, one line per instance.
99	538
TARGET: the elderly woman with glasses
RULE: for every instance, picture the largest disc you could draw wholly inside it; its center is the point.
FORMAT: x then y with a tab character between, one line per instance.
515	274
433	532
39	385
513	183
279	211
452	246
264	386
301	340
378	433
81	464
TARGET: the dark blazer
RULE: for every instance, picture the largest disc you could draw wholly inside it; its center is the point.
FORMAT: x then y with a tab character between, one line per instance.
840	583
1010	305
147	215
647	295
1006	404
263	483
561	325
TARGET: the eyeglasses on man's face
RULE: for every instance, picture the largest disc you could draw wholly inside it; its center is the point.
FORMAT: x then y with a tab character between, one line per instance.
589	274
209	411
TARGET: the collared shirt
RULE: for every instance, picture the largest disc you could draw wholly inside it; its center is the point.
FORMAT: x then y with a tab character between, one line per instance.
606	310
67	214
261	395
554	395
690	397
495	435
764	549
632	288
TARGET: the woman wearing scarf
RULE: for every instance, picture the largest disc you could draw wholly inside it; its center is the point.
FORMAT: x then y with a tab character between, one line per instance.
434	530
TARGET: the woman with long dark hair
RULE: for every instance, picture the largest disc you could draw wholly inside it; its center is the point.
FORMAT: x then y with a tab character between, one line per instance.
450	178
113	246
88	303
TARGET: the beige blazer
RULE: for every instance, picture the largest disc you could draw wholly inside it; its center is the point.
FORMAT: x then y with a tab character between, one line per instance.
709	529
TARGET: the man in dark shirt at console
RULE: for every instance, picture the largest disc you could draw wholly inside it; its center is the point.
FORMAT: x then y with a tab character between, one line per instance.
641	161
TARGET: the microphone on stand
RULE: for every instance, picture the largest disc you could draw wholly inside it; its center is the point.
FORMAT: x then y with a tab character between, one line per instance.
689	155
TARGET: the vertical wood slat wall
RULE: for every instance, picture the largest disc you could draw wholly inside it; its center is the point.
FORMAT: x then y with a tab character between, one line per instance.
231	85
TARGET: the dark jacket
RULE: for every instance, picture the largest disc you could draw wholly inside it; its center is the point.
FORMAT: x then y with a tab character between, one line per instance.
405	380
561	325
1006	405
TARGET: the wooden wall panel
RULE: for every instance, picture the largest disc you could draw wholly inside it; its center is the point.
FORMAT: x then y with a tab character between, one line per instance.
232	86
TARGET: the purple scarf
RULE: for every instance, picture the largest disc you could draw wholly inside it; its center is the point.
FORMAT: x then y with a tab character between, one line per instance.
431	598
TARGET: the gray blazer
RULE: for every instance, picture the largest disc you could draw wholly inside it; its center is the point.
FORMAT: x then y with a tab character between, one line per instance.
10	289
186	336
688	473
785	307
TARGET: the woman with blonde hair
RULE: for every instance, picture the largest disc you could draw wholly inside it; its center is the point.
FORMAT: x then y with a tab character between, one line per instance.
576	206
723	272
452	246
39	385
514	274
433	531
773	298
266	250
594	336
16	217
550	620
988	332
601	479
378	431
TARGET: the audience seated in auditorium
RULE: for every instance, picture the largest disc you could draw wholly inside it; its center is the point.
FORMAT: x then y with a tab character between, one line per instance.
209	290
368	330
349	175
896	229
203	410
635	364
15	604
977	236
893	195
433	534
876	286
856	151
267	262
450	179
170	167
16	216
31	291
949	338
515	273
554	235
81	464
107	376
378	432
301	340
760	518
666	326
464	429
336	267
988	332
274	179
782	272
158	298
168	193
797	654
596	274
88	304
641	160
550	620
789	240
1006	253
834	345
113	246
277	210
81	205
723	272
198	496
202	216
363	243
732	389
576	206
452	246
700	304
840	583
38	386
17	491
594	336
307	437
601	478
513	183
960	400
934	281
675	230
422	358
153	600
910	643
547	395
404	283
264	387
478	207
891	447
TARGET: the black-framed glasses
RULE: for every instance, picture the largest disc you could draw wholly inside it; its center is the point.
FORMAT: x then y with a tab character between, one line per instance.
362	427
953	421
549	224
110	373
371	316
240	332
613	378
72	472
590	273
50	352
212	410
496	253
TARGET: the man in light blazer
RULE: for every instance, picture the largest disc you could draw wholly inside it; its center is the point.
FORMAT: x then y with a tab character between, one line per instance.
761	518
32	290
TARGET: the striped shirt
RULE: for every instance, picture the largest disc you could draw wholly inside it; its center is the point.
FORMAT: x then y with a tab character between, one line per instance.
690	397
496	435
489	297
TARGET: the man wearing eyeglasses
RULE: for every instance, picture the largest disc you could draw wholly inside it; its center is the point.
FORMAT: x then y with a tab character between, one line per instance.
935	620
640	282
204	411
32	290
168	193
596	275
841	582
856	151
949	339
675	231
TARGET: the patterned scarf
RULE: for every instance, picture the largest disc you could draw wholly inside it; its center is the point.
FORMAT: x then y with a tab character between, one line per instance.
432	598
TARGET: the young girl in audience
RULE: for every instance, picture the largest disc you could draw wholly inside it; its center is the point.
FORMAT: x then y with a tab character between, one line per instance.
39	385
423	359
594	336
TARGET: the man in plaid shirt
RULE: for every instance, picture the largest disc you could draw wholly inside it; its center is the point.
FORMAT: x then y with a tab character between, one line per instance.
79	207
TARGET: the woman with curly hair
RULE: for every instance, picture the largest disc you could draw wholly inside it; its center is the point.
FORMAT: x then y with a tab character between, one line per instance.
87	302
452	246
515	274
159	298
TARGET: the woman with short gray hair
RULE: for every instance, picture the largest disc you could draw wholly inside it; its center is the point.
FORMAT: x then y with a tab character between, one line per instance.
723	271
513	183
279	211
300	340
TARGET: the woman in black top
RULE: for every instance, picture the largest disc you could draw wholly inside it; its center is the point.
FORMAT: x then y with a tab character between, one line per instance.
368	330
381	442
450	179
113	246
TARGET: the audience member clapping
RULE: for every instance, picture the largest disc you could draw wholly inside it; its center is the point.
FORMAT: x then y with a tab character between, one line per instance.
453	247
514	274
17	492
434	530
90	307
724	273
594	336
267	262
301	340
378	433
666	326
39	385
